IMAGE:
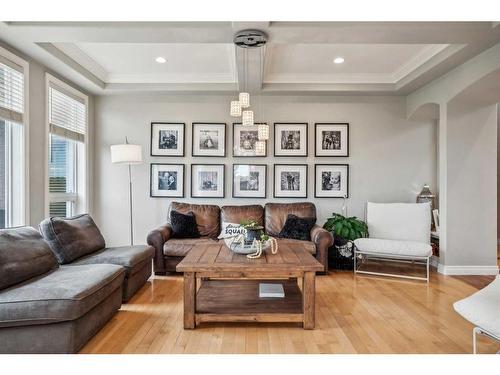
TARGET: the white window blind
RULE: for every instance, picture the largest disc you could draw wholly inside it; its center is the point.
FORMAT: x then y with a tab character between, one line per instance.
11	91
67	115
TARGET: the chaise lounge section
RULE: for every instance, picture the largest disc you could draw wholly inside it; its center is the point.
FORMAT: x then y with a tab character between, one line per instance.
78	241
45	308
170	251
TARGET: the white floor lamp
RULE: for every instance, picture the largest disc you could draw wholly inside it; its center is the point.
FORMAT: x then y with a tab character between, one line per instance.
127	154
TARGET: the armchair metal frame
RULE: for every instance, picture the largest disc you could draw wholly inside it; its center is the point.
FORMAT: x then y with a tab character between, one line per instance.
363	255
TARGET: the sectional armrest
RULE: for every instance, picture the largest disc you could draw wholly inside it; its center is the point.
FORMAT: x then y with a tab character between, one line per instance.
323	240
157	238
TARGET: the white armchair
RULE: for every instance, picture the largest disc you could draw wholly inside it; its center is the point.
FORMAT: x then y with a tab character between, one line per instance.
398	232
483	310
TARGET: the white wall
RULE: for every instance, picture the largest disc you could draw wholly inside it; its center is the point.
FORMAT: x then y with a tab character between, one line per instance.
472	187
390	157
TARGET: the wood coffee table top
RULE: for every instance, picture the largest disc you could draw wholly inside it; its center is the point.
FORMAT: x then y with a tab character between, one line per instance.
217	258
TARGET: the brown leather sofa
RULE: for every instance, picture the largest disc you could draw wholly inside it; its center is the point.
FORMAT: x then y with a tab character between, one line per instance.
170	251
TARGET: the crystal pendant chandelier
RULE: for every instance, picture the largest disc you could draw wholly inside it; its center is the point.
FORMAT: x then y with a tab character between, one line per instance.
244	99
263	132
235	108
248	39
260	147
247	118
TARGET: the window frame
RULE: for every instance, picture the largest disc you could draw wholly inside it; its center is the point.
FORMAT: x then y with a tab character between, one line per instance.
55	82
25	185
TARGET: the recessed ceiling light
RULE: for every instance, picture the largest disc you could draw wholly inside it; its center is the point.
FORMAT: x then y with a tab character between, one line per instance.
161	60
338	60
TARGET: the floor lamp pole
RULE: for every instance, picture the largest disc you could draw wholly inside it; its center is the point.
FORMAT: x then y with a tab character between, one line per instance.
130	198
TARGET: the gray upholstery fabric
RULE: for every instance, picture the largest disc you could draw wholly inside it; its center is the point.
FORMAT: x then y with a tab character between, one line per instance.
66	293
134	281
126	256
63	337
137	261
72	238
23	255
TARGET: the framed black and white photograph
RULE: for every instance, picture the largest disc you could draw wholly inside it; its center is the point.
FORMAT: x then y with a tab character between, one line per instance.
290	139
249	181
167	139
209	139
245	140
332	139
166	180
331	180
290	180
207	181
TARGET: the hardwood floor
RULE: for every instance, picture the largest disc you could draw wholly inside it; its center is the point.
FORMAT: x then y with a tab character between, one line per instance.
353	315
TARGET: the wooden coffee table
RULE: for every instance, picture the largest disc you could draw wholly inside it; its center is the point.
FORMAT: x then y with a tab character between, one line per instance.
228	289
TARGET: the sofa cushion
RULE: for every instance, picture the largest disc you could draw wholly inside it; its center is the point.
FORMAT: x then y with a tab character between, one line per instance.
72	238
183	225
483	308
298	228
177	247
65	293
275	214
207	217
236	214
126	256
393	247
306	245
23	255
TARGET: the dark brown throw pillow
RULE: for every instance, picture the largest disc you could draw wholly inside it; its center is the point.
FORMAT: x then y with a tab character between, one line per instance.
298	228
183	225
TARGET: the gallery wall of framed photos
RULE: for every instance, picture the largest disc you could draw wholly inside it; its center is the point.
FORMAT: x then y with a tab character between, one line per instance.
288	174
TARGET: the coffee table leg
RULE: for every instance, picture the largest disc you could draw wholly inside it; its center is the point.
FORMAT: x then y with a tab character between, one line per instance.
308	299
189	300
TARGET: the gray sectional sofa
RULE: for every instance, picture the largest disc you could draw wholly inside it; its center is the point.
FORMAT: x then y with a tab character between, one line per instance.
58	290
45	308
78	241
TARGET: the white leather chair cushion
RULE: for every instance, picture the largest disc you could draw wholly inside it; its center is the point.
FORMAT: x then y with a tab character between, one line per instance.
393	247
483	308
399	221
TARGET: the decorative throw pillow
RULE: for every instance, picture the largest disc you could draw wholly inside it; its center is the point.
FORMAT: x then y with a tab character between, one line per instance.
183	225
230	230
298	228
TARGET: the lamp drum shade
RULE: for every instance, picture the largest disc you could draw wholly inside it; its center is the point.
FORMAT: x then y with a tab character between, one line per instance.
126	154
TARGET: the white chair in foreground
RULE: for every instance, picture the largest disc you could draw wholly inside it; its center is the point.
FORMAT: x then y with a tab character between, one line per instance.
399	232
483	310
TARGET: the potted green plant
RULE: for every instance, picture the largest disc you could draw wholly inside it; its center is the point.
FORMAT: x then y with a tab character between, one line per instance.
345	230
254	231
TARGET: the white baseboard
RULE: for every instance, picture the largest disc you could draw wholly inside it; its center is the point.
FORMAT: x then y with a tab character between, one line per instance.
468	270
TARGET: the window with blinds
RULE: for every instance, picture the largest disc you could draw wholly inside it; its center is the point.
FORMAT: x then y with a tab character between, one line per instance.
11	91
67	116
12	150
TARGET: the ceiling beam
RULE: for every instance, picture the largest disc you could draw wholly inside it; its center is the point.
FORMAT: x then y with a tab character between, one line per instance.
249	68
279	32
218	88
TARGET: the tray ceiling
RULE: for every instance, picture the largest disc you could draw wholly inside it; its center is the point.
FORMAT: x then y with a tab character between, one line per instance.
393	58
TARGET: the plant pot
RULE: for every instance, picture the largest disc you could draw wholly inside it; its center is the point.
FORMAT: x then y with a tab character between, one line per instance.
253	234
340	255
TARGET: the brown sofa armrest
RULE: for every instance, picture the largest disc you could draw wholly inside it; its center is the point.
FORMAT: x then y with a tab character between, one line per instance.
323	240
157	238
